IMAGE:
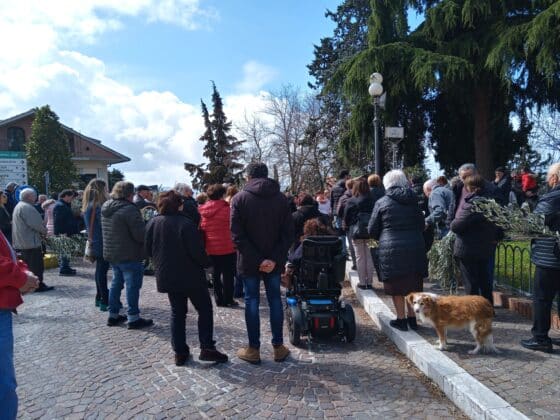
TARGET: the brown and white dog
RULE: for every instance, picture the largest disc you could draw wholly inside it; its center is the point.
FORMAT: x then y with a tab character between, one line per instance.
456	312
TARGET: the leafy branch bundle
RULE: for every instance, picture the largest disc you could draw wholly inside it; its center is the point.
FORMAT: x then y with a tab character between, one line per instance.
67	246
442	265
517	224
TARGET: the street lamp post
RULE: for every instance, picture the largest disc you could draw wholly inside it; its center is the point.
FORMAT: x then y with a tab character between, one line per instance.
47	182
376	90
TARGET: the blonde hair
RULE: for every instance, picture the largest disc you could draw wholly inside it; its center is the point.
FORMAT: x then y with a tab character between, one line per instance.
95	193
122	190
374	180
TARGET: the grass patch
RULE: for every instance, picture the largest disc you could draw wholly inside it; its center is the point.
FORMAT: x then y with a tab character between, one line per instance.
513	268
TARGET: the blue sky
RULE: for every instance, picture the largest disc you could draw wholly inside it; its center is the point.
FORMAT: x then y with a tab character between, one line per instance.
159	56
132	72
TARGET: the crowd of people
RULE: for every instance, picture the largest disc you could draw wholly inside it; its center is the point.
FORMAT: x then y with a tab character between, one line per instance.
248	235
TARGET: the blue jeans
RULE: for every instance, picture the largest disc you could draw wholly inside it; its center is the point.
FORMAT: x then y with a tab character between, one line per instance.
252	298
8	396
129	274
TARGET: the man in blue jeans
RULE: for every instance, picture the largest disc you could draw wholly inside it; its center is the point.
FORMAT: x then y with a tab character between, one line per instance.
123	247
262	229
15	280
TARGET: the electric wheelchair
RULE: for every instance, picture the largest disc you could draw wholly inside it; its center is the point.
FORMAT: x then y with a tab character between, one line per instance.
313	302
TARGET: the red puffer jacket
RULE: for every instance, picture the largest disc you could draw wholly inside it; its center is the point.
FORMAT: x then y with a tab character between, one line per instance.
215	225
12	276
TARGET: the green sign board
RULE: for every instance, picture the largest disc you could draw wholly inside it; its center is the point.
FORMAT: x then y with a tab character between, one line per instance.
8	154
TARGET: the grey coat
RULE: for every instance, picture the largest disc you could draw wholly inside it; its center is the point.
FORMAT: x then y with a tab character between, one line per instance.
439	203
123	232
27	227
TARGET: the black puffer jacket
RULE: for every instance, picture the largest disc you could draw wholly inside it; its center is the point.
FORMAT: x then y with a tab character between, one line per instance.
177	251
503	188
397	223
377	192
356	205
476	236
545	251
190	209
261	226
123	232
343	200
336	193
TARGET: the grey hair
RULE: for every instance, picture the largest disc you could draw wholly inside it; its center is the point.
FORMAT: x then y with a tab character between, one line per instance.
182	188
429	184
554	170
122	190
395	178
28	195
468	167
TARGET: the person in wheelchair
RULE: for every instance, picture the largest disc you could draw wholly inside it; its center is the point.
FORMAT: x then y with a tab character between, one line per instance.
312	227
313	277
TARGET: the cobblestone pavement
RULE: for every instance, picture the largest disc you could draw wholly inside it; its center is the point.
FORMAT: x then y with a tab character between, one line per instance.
70	365
526	379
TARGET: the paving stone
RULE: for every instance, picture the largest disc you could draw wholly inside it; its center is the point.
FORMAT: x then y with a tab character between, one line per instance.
517	375
89	370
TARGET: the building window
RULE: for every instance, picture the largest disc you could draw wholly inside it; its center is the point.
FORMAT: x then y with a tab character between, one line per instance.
16	139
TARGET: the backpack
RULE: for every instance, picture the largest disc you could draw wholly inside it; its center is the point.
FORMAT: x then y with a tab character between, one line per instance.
359	230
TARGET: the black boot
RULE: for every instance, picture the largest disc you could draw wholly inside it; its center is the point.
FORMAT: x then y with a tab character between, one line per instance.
399	324
411	320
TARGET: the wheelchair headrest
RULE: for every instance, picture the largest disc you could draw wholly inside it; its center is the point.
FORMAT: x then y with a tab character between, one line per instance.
321	245
311	241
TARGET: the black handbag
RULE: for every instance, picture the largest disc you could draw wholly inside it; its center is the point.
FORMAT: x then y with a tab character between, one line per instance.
359	230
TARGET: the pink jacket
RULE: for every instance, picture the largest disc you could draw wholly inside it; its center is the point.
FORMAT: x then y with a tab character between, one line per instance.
49	217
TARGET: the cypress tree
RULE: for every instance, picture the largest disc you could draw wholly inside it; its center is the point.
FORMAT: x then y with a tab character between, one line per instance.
458	78
47	150
221	149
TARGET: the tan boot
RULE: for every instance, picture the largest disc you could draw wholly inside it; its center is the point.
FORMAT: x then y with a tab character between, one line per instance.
280	352
249	354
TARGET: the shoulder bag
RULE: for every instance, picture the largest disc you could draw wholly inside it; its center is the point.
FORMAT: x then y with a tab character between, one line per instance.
88	252
359	230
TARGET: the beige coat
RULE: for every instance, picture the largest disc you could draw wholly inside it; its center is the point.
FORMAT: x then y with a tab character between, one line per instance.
27	227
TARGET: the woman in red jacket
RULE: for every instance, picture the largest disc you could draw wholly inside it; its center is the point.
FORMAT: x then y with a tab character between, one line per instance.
15	279
215	224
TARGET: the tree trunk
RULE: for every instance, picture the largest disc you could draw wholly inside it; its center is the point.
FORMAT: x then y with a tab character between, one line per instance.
483	132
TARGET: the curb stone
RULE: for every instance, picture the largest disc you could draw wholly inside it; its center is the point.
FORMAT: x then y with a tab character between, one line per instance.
473	398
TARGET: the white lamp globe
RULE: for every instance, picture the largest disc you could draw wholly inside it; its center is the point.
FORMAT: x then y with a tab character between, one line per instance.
376	77
375	89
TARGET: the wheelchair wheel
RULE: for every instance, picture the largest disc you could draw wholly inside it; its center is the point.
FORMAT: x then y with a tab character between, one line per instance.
294	324
349	322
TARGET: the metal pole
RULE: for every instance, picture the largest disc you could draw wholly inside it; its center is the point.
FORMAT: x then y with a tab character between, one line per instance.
377	146
47	182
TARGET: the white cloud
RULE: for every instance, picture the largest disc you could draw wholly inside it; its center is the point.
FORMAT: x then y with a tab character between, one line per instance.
255	76
85	19
156	129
